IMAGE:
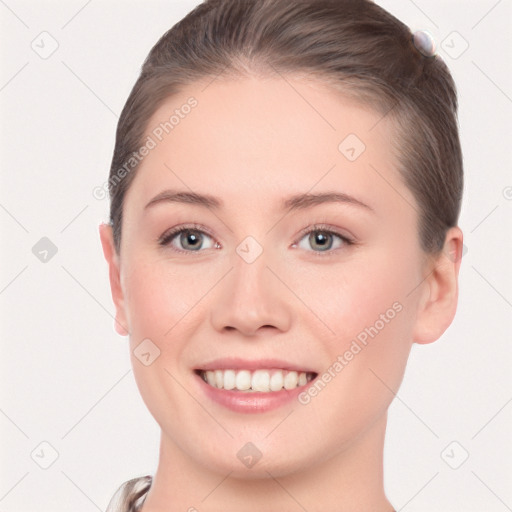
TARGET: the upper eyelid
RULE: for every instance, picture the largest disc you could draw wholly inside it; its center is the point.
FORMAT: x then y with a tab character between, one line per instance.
326	228
178	229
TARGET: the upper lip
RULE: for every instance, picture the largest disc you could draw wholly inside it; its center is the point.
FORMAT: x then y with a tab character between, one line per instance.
233	363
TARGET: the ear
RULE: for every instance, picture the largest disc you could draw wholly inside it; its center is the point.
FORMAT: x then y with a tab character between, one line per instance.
109	251
440	290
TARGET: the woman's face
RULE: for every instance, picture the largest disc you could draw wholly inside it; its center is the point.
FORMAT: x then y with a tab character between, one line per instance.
277	274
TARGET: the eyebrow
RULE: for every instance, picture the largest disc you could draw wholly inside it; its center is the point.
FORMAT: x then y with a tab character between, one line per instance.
173	196
304	201
295	202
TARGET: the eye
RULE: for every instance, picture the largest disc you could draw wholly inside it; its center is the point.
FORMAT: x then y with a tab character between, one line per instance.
194	239
322	239
187	239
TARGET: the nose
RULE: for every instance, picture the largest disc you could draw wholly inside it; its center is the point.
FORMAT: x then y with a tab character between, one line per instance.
251	299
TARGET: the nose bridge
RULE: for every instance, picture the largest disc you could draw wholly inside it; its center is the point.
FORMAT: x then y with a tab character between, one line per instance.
251	297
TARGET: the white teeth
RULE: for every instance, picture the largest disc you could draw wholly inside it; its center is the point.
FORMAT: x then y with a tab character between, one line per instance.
219	378
243	380
290	381
263	381
260	380
229	379
276	381
210	377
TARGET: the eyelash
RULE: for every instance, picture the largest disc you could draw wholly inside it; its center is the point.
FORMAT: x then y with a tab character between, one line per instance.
169	236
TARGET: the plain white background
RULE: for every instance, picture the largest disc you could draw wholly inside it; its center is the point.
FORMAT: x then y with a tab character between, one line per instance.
67	386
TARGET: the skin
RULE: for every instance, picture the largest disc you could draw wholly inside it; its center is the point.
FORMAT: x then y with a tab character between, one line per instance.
253	143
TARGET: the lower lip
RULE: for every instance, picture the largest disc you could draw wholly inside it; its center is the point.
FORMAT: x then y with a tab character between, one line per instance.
253	402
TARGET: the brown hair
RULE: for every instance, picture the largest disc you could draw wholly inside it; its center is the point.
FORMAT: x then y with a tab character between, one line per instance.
353	45
130	496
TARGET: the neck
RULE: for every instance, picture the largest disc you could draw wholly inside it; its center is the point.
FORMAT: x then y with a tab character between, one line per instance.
350	481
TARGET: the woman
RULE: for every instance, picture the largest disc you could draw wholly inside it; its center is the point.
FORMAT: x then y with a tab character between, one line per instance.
285	191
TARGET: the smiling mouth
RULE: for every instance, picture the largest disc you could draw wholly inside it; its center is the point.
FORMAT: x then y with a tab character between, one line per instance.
263	381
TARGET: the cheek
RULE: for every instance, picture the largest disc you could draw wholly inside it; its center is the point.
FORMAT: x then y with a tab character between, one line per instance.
373	326
371	311
159	301
366	365
158	296
369	308
363	293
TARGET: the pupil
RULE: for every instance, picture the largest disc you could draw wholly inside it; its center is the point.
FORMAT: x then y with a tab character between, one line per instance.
191	237
321	239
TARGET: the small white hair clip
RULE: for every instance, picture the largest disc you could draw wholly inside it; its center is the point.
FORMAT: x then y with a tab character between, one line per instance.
424	43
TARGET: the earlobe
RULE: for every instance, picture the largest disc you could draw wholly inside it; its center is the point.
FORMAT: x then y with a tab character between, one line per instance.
438	304
111	256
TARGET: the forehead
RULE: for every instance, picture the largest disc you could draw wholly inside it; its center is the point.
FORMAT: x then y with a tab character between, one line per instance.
252	137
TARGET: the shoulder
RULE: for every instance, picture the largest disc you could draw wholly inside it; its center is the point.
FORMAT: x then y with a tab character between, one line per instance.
130	495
